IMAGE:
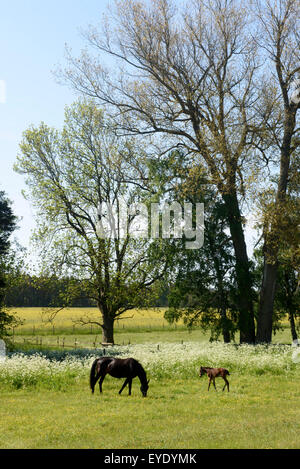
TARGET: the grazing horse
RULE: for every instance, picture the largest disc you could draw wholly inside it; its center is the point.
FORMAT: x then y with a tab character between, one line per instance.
213	373
127	368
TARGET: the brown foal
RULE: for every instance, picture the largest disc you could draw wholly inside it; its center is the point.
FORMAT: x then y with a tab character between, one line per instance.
213	373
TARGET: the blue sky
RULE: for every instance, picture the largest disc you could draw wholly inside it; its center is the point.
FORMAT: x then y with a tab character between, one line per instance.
33	35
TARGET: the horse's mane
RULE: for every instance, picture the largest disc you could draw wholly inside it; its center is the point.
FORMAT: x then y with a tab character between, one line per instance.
140	367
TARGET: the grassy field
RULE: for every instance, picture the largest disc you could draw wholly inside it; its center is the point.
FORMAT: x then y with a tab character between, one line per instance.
66	320
139	326
258	413
48	404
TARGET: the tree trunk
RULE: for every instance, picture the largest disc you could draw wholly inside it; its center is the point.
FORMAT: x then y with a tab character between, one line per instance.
243	276
290	292
107	329
222	297
265	317
225	326
226	336
293	326
271	246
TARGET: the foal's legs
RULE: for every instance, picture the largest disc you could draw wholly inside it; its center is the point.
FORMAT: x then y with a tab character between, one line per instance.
129	385
226	384
211	379
209	383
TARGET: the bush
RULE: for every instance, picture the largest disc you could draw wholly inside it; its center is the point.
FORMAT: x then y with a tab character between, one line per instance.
60	369
61	355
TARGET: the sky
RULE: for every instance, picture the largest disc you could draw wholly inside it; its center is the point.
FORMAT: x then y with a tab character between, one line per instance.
33	35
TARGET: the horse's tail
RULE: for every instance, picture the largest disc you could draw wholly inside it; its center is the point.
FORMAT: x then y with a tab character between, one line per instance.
228	372
93	379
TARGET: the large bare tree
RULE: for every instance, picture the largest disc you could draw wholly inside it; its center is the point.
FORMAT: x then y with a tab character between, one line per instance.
279	42
187	75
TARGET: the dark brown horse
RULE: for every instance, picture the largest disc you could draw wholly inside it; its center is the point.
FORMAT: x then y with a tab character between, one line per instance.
127	368
213	373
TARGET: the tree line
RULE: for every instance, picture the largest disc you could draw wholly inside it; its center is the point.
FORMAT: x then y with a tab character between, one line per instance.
32	291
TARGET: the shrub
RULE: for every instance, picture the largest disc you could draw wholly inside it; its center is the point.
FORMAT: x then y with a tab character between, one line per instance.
59	369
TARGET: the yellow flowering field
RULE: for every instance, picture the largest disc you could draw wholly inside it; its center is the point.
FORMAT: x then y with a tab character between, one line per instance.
36	318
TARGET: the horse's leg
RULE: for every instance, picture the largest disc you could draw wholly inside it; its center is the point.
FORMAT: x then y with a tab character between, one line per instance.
209	383
125	382
129	385
214	383
95	382
100	383
226	384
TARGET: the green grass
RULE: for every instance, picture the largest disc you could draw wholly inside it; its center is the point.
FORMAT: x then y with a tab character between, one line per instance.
140	326
158	336
259	412
53	408
144	326
88	340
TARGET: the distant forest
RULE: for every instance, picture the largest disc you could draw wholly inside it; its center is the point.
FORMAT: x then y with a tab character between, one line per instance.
30	291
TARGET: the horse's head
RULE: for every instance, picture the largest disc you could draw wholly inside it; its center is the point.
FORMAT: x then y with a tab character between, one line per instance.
202	371
144	388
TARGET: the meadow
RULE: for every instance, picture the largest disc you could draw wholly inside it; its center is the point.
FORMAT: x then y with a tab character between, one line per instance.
67	319
45	400
138	326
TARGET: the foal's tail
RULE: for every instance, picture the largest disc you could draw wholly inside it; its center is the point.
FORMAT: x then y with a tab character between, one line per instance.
93	379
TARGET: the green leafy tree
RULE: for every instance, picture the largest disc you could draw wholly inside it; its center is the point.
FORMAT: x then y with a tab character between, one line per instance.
287	298
287	294
7	226
69	175
204	291
7	223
